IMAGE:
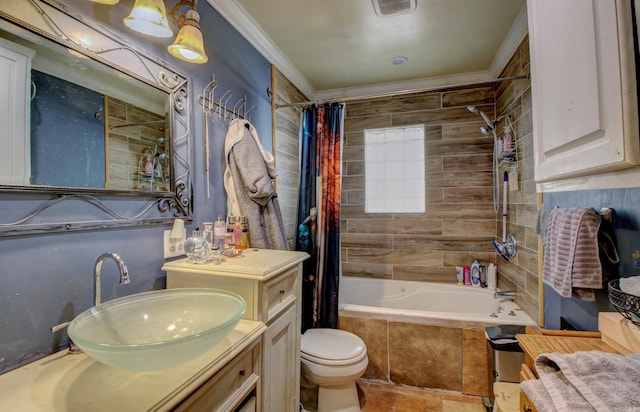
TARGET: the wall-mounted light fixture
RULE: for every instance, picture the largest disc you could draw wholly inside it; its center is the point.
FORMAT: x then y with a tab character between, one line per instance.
150	17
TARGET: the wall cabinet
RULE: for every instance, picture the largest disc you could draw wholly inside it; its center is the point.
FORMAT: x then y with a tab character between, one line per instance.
585	111
270	283
15	86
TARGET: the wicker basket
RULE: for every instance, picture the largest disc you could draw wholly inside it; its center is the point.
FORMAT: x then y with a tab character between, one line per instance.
628	305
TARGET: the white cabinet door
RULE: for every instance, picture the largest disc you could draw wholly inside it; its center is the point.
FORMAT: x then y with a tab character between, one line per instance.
15	89
585	115
281	370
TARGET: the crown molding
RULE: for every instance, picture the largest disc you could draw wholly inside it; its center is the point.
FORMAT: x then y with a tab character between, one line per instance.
511	43
237	16
409	86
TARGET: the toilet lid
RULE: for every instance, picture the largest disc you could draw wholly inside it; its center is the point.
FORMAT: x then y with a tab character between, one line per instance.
331	346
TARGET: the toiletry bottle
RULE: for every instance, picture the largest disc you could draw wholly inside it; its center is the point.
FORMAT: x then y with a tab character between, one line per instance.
230	240
491	276
208	233
508	140
483	276
475	273
244	226
196	247
466	275
219	232
237	232
460	275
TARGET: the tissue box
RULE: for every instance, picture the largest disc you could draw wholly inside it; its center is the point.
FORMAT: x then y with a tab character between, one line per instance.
619	333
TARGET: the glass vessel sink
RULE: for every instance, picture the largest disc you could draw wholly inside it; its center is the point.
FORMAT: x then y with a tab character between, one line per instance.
157	330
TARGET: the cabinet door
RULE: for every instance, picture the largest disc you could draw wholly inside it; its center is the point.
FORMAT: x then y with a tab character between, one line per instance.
280	364
585	116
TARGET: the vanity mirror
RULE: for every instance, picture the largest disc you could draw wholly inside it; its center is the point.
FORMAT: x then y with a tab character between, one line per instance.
88	118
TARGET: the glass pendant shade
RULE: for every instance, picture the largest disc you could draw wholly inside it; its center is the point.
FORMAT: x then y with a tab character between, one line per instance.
189	45
107	2
149	17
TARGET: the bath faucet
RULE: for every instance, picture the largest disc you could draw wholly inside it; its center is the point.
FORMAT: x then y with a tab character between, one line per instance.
97	271
505	294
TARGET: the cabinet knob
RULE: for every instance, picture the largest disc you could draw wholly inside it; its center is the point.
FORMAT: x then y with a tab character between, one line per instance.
282	291
243	372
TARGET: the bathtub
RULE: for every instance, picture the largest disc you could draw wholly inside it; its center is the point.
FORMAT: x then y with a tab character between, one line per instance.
428	300
427	335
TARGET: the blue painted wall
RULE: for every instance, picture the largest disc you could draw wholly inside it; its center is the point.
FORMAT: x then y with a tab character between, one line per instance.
626	203
48	279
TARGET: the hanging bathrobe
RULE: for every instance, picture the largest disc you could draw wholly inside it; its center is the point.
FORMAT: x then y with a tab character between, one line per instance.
248	183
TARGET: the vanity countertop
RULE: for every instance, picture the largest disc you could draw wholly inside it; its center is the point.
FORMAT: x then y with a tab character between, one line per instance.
63	382
258	264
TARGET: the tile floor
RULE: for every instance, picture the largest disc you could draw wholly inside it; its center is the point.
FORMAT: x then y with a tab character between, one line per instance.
392	398
381	397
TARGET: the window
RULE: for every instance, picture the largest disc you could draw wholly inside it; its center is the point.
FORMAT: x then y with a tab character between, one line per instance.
394	170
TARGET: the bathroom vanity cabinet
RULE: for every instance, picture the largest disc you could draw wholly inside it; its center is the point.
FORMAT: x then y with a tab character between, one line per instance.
225	379
235	388
583	85
270	283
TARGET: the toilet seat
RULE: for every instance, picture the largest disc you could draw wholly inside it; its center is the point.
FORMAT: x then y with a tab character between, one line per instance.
332	347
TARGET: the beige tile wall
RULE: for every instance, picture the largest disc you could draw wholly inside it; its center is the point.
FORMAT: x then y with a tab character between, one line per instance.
287	126
424	353
521	272
459	223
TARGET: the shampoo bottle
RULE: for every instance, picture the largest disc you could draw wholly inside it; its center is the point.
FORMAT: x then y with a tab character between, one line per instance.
491	276
466	275
475	273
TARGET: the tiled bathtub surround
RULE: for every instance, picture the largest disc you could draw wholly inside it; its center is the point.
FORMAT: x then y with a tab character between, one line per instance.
453	356
459	223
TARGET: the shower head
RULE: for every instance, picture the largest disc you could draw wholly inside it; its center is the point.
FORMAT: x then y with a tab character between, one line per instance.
485	131
508	248
160	140
482	114
500	248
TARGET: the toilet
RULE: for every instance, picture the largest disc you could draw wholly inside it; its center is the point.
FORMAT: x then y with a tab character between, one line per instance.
333	360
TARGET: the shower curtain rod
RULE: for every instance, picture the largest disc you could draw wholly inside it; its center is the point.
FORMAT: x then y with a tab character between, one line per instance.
371	96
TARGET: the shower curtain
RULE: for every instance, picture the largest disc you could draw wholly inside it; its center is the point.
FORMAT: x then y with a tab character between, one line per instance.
318	220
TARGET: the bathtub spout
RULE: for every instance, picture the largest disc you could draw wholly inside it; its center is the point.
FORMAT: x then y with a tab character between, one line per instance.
505	294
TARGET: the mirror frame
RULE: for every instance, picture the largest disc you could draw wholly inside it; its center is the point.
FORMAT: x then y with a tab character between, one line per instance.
57	22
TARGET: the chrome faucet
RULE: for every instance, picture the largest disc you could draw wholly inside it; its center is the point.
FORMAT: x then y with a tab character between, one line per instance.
97	271
505	295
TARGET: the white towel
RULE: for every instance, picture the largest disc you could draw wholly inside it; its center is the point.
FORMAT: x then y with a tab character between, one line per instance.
571	259
630	285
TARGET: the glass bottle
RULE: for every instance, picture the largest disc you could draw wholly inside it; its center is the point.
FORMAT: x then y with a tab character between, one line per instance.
219	232
244	226
196	247
208	234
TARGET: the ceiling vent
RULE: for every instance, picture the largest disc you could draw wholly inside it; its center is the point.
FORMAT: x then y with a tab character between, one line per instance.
386	8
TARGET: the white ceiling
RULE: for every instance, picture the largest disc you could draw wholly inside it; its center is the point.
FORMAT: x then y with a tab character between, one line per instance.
341	48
